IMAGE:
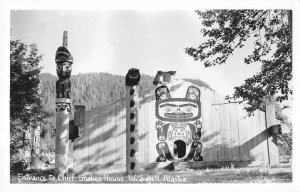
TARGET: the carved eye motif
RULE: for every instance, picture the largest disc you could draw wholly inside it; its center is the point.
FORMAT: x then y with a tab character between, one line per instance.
189	109
67	66
58	107
169	109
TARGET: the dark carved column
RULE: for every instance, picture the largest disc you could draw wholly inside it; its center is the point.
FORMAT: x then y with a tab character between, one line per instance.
132	137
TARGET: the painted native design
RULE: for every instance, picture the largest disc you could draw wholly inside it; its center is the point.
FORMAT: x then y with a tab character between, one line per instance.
178	125
62	106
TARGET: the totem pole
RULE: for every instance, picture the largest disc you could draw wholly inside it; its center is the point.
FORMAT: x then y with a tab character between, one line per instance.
132	137
35	149
64	61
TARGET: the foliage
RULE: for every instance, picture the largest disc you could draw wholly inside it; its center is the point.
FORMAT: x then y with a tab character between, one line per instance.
43	132
284	148
228	30
24	82
25	103
18	167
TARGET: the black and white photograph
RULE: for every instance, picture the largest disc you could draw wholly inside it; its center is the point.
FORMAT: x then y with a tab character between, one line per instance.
191	95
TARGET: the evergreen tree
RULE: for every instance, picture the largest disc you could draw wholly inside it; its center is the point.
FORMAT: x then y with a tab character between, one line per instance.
26	110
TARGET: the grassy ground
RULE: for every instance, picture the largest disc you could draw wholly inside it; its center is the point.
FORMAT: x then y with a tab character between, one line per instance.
277	174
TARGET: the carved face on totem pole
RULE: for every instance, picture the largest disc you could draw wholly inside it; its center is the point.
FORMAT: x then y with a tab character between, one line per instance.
178	125
64	69
64	61
60	106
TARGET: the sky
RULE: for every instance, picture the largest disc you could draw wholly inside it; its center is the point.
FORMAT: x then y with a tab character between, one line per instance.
114	41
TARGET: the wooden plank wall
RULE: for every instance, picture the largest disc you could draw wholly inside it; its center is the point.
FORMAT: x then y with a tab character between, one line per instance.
234	136
227	133
103	136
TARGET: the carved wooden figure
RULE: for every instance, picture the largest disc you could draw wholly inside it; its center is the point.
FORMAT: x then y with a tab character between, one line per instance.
64	61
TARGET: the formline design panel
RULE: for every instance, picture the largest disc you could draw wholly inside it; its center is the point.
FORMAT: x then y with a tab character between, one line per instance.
178	125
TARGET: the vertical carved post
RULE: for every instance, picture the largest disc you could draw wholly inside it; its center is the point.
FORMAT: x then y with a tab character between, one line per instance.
35	150
65	39
132	135
64	61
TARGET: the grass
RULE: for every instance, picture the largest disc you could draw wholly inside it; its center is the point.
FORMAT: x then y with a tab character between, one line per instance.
275	174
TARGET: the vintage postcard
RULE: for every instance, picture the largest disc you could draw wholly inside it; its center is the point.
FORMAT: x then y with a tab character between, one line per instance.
191	95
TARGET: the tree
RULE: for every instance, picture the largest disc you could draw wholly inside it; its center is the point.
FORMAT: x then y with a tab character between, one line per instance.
26	110
271	30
